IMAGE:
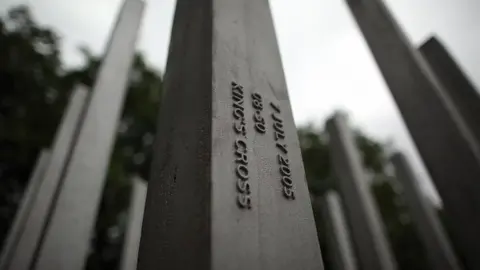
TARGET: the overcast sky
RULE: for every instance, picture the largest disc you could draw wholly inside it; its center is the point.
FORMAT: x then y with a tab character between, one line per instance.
326	61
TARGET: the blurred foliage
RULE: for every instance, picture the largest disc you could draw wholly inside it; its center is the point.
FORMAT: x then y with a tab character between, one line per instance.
34	89
316	157
405	244
30	103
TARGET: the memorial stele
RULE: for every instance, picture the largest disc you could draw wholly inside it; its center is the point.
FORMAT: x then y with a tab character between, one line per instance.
227	187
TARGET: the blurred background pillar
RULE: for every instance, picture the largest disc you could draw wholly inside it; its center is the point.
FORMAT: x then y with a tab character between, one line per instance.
67	237
23	211
338	233
429	228
46	195
134	225
443	138
372	247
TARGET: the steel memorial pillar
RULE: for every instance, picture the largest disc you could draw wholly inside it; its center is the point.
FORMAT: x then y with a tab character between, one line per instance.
227	189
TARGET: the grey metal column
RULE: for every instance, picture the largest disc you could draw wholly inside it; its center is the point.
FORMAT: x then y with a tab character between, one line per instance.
67	238
134	225
339	241
456	84
429	228
44	201
227	189
23	211
446	144
372	248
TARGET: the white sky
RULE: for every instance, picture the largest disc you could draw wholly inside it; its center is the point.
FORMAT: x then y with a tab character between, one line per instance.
326	61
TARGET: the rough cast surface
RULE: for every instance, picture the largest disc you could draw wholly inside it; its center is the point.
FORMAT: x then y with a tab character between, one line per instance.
227	189
446	145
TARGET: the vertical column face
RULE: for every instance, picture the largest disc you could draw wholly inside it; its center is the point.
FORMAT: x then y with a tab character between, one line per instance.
176	226
373	251
67	237
18	225
429	228
447	146
43	202
263	220
338	233
228	189
134	227
457	86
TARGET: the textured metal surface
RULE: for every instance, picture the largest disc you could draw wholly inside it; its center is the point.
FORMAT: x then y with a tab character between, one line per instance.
67	238
372	249
193	218
447	147
429	228
44	201
456	84
134	225
339	241
18	225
